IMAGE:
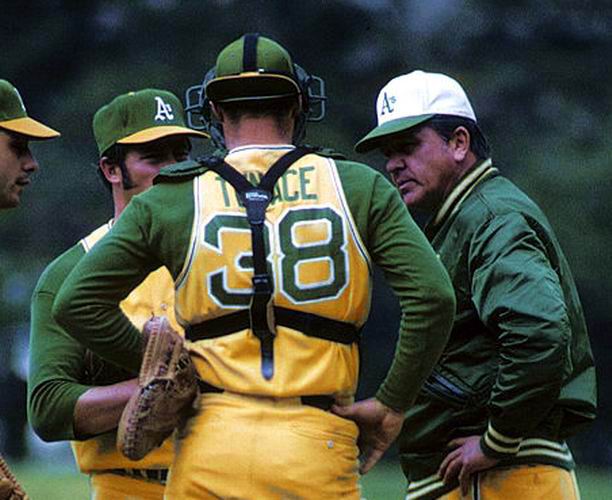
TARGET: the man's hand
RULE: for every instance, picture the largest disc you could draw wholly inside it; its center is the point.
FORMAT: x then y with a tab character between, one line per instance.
465	459
379	426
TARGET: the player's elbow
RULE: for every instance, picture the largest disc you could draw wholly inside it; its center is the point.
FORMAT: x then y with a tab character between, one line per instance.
63	310
39	421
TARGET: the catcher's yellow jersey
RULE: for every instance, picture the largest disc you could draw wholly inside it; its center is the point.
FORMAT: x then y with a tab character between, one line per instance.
154	296
318	265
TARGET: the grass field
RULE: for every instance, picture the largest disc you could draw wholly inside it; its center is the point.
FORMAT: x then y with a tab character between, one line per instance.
47	482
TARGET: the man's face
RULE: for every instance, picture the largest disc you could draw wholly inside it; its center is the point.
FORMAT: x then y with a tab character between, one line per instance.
16	166
144	161
423	168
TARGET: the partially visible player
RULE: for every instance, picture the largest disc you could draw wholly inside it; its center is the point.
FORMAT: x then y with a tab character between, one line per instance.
16	130
517	376
16	166
73	394
272	298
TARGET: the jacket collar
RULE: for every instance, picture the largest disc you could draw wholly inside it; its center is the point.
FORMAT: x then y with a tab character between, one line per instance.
459	193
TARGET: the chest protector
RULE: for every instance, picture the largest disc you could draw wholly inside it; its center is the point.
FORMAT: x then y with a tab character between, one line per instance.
275	260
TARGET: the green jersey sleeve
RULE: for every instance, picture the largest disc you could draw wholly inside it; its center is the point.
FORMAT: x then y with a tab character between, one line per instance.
56	359
117	264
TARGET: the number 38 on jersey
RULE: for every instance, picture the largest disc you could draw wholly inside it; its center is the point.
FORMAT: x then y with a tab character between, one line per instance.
305	250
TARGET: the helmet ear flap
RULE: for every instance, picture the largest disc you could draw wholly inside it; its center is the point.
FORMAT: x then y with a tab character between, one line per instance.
313	94
199	115
313	101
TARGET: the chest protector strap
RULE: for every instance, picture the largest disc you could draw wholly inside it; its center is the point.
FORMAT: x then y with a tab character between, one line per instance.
256	200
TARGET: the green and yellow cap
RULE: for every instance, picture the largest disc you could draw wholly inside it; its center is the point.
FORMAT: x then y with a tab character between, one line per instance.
252	67
412	99
139	117
14	117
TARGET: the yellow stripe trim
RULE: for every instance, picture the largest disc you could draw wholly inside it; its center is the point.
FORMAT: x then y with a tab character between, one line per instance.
500	437
500	449
542	442
545	453
473	178
352	225
422	482
194	235
412	495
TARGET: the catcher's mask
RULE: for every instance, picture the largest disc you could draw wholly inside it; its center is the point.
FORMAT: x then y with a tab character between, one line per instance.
254	68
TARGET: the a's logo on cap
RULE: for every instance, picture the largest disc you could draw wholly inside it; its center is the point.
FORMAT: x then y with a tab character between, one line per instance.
387	104
164	110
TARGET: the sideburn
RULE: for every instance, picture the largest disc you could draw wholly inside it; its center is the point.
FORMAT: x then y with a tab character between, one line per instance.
126	178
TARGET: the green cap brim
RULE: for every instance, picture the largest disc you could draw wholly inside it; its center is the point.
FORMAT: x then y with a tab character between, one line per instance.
154	133
376	136
29	127
251	85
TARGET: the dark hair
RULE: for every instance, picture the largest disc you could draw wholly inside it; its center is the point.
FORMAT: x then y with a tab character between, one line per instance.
445	125
277	108
116	155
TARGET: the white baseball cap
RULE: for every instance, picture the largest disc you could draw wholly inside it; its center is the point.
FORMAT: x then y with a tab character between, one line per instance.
410	99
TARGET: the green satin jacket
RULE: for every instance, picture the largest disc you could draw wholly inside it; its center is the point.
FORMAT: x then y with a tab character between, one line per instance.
518	368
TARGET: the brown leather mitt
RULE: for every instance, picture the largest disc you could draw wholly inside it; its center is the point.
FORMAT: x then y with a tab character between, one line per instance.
10	489
167	388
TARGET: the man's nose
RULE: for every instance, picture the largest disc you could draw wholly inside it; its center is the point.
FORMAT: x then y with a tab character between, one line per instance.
30	164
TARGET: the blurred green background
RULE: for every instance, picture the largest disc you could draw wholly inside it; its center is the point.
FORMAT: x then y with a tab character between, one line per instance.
537	74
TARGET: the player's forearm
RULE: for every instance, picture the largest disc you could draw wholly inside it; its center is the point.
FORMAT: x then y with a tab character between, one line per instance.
424	331
99	409
87	307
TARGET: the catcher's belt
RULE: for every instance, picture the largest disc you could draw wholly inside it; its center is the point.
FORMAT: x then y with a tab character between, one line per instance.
321	401
155	475
309	324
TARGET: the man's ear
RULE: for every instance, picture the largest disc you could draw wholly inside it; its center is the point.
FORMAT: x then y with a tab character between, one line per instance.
216	112
460	142
296	110
110	170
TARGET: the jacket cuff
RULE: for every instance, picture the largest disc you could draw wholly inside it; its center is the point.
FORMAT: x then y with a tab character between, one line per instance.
494	444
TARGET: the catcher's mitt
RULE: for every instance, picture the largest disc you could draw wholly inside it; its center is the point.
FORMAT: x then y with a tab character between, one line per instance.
10	489
167	389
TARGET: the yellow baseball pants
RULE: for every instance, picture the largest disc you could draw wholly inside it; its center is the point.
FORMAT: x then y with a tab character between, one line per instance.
115	487
244	447
525	482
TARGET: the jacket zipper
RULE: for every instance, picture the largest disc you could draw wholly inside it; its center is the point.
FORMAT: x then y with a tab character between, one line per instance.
439	386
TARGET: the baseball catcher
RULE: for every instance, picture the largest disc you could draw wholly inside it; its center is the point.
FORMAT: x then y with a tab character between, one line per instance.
271	250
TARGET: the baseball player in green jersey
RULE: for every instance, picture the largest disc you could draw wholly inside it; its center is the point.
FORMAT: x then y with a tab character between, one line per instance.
72	394
517	376
16	129
17	164
272	286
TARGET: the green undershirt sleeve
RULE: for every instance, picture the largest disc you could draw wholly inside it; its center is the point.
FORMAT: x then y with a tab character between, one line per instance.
155	223
55	359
